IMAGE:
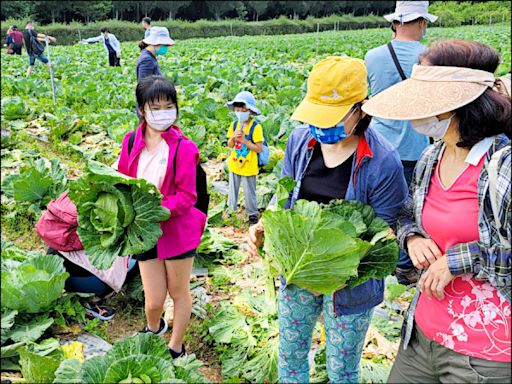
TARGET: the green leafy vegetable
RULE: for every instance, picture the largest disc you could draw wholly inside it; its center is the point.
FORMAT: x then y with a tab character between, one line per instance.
32	285
32	330
213	242
117	215
36	182
140	359
40	361
68	372
247	333
14	108
325	248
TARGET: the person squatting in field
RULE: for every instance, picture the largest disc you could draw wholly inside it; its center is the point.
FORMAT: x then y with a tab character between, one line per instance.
456	223
334	155
161	154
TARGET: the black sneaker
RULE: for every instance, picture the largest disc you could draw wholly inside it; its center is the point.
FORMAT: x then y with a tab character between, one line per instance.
163	328
407	276
253	220
99	311
176	355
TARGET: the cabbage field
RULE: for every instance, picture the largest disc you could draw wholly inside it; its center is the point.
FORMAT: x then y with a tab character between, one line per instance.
233	334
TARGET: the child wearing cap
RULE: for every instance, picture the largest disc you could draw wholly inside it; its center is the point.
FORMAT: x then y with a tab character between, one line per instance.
245	136
335	154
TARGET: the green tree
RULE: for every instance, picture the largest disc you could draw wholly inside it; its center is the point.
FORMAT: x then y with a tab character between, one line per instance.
258	8
241	11
55	9
172	7
16	9
92	10
146	7
219	8
295	9
119	7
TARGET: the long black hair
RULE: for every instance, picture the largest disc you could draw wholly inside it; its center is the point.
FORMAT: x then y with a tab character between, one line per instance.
363	123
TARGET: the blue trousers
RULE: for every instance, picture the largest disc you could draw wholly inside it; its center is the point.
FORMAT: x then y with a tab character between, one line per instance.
298	312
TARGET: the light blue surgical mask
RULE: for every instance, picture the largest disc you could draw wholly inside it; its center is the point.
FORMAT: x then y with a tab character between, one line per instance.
242	116
162	50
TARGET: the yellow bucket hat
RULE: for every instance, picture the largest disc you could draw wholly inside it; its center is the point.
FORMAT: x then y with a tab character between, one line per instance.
335	84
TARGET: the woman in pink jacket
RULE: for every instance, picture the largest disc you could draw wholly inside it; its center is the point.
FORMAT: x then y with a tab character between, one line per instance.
150	155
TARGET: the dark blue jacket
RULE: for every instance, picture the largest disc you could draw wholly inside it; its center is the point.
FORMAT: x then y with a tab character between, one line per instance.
377	180
147	65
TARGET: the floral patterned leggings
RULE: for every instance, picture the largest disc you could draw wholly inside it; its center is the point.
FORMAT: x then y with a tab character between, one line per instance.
298	312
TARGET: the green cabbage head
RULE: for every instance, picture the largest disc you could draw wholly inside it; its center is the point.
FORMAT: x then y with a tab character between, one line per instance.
325	248
117	215
33	285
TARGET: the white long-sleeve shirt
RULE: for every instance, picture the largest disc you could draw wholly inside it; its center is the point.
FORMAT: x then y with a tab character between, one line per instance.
114	43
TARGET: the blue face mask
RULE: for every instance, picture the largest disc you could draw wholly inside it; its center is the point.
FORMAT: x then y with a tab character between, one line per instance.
334	134
162	50
331	135
242	116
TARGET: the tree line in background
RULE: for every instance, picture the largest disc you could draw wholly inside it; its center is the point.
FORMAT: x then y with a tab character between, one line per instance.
53	11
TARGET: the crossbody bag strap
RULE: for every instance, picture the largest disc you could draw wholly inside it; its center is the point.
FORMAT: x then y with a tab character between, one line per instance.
130	142
395	60
174	160
493	179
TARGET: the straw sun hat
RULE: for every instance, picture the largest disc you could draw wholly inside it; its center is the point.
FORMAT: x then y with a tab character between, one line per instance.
431	91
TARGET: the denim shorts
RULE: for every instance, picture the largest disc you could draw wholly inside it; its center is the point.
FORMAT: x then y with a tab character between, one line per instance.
41	57
151	255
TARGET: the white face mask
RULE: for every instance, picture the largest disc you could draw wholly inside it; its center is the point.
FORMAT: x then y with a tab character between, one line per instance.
243	116
160	120
432	127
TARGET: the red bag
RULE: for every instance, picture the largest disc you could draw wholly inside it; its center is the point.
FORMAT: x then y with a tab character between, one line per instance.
57	226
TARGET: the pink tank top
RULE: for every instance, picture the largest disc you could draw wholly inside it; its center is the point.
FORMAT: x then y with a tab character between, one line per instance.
472	319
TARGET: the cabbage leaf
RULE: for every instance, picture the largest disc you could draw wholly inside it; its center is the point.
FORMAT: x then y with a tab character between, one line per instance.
324	248
117	215
33	285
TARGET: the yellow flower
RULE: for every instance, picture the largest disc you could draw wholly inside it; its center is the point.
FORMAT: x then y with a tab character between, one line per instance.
74	350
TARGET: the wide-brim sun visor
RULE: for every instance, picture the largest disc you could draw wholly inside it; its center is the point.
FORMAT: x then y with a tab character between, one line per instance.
431	91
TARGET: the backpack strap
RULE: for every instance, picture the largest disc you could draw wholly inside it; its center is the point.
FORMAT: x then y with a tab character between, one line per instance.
130	142
251	131
174	160
395	60
493	179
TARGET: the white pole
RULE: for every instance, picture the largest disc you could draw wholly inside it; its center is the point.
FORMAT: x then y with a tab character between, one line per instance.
79	34
317	31
51	72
